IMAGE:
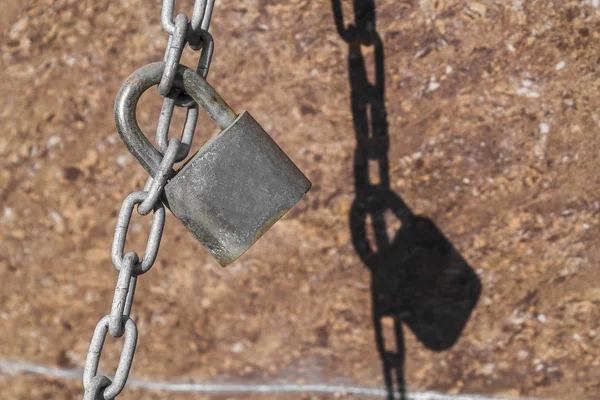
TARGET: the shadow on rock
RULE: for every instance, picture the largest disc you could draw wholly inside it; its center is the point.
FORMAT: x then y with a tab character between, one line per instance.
417	276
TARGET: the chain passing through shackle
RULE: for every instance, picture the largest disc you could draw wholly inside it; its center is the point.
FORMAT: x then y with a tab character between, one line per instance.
227	195
118	322
235	187
131	91
180	33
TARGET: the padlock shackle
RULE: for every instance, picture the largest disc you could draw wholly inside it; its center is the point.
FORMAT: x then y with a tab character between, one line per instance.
144	78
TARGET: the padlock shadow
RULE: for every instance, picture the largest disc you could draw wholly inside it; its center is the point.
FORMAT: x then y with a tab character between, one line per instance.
418	278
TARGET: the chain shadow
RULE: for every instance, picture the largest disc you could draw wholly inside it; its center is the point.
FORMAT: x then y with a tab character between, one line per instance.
418	278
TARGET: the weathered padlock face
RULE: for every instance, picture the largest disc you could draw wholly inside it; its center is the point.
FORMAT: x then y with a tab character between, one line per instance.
234	189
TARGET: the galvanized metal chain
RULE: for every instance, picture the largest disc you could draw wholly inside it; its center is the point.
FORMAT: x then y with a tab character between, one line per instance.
119	323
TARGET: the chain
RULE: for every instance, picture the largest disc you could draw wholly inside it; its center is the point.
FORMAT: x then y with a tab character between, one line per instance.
119	323
373	196
367	98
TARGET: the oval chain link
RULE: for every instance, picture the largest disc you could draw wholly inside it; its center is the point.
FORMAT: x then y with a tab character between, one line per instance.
123	220
123	298
173	54
198	38
160	178
95	351
164	121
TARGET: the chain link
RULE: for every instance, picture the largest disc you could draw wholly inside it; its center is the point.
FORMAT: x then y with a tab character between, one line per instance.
173	54
160	179
123	220
164	122
95	351
205	42
123	298
118	323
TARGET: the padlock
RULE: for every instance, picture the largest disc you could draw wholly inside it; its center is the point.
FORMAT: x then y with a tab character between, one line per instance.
235	187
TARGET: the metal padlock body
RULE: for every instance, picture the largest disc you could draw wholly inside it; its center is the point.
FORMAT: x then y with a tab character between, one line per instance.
235	187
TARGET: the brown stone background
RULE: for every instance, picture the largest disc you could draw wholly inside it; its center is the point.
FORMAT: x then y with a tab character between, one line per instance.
494	124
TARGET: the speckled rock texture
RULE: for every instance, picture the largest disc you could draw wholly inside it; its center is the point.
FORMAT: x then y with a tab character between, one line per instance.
493	122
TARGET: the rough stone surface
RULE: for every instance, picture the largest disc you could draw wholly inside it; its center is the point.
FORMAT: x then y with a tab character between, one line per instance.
493	122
